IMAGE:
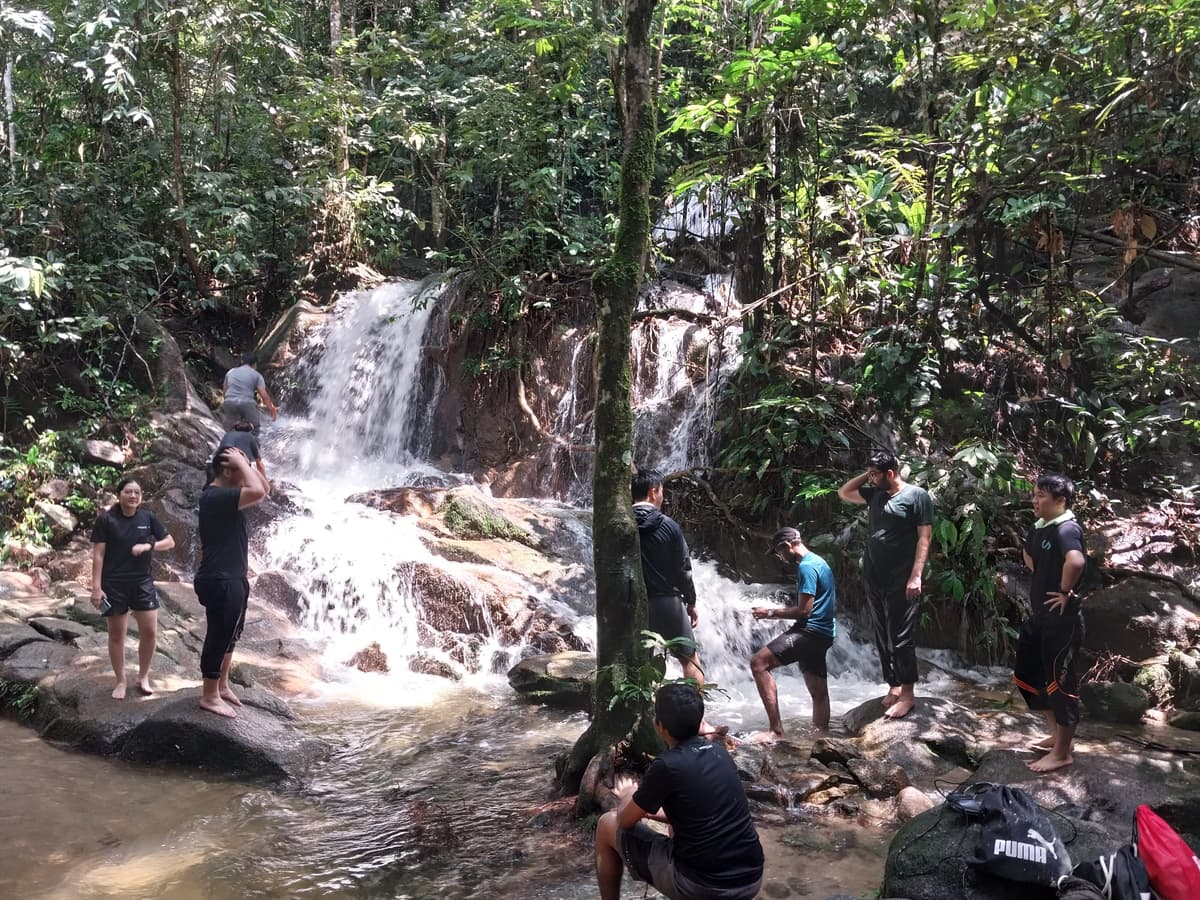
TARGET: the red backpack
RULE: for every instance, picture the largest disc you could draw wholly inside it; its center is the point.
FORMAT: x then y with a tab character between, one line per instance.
1173	868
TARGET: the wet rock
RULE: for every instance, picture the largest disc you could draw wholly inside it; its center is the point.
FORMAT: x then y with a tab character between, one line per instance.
275	589
26	552
828	796
103	453
63	630
55	490
937	736
1135	616
405	501
911	802
1188	720
33	661
765	792
830	750
370	659
563	680
750	760
1185	679
425	664
928	858
878	779
60	520
1114	701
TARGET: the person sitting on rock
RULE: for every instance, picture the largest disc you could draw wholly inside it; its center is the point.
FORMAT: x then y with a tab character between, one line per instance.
1046	668
221	585
807	641
714	851
123	539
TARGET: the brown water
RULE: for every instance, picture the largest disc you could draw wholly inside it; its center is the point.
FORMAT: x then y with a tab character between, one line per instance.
452	799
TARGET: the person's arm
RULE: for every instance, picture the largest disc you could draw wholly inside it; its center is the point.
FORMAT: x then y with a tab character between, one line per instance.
850	493
924	536
686	586
802	609
253	485
629	813
1072	570
267	401
97	573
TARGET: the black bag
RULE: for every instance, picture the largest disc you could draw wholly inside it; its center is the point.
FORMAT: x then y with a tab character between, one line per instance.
1016	840
1119	876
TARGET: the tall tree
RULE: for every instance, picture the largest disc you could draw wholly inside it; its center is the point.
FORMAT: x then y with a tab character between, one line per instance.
620	591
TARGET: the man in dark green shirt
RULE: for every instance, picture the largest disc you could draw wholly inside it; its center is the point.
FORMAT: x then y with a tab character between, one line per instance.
899	531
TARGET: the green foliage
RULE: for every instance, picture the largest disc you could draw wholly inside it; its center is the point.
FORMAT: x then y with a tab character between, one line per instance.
18	696
473	522
637	688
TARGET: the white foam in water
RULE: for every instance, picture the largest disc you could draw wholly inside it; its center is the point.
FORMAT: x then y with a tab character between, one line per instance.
368	428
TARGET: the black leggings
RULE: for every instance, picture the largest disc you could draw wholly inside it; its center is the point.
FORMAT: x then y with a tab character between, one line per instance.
894	620
224	601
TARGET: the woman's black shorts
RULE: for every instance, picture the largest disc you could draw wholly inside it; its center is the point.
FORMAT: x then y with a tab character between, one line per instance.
139	596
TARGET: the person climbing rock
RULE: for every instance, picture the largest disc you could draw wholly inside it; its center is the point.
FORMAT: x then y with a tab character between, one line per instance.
242	437
244	385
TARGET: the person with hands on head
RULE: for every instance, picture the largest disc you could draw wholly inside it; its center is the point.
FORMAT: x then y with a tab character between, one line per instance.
806	642
713	852
899	532
221	582
1046	668
123	540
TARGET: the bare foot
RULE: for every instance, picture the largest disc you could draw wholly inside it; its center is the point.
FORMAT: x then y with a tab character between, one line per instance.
1050	762
765	737
1043	746
228	695
119	691
218	707
144	688
901	708
891	697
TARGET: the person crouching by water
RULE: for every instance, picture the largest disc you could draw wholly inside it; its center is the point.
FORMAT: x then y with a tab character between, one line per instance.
714	852
221	584
806	642
123	540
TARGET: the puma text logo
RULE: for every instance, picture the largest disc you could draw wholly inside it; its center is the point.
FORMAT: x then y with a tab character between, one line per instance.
1034	835
1019	850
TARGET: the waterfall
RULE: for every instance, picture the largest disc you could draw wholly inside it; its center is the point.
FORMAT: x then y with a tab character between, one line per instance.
375	378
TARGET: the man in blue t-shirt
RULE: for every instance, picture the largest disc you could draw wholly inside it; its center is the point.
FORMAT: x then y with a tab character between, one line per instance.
713	852
806	642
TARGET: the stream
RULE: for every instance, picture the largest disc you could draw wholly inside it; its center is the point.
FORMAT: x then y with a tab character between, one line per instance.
436	788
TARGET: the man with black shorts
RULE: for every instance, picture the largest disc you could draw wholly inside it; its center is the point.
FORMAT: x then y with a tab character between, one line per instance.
1047	663
667	571
221	583
714	852
899	532
807	641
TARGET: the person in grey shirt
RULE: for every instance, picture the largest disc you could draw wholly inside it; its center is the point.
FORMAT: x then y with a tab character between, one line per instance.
243	386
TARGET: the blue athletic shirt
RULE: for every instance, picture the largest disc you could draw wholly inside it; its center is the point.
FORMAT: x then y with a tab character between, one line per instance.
813	576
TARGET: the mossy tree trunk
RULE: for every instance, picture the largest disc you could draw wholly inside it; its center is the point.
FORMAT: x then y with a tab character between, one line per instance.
620	592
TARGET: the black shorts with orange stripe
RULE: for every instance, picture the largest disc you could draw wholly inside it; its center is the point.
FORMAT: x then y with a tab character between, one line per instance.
1047	664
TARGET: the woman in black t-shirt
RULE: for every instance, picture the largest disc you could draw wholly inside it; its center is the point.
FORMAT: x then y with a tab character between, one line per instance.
123	539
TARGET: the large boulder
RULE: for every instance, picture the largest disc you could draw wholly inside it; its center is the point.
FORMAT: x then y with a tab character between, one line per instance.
928	858
1136	616
1185	679
104	453
58	519
566	680
1114	701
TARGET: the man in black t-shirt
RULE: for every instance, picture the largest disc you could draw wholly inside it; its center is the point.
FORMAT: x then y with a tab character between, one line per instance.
242	436
899	532
714	852
1047	661
221	584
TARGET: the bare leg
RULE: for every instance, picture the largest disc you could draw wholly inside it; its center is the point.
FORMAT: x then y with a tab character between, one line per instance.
1060	754
147	623
1045	745
904	703
818	688
692	670
609	864
223	686
118	626
761	664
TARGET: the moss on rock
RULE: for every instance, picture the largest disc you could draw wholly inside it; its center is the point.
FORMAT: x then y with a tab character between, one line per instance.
472	521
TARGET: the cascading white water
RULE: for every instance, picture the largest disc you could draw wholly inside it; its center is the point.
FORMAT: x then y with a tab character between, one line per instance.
368	427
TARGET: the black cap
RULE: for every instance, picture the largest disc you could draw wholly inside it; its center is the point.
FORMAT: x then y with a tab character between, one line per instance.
784	536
